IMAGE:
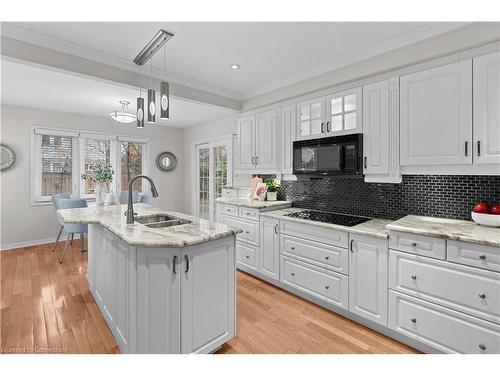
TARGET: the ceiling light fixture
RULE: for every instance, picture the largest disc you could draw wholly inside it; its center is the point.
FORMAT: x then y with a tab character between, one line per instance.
164	93
235	66
140	105
151	100
123	116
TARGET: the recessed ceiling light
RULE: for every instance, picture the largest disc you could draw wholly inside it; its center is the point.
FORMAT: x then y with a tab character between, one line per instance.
235	66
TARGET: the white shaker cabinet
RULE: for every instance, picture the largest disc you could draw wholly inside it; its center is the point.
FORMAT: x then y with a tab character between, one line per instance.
208	297
368	270
486	127
381	131
288	136
436	116
246	143
258	142
311	119
269	247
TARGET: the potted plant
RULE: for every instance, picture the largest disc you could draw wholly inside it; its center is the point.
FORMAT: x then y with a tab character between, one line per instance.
99	173
273	185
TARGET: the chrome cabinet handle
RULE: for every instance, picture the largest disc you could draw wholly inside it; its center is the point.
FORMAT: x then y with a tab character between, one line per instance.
482	257
478	148
247	256
326	258
276	228
414	244
323	127
364	161
248	213
482	346
253	160
328	126
327	286
352	240
292	248
187	263
247	232
413	320
466	148
293	273
414	277
256	160
482	295
174	263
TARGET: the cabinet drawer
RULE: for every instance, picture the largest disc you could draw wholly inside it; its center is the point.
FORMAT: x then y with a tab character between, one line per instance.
326	285
481	256
310	232
444	329
246	254
250	229
229	209
249	213
331	257
417	244
470	290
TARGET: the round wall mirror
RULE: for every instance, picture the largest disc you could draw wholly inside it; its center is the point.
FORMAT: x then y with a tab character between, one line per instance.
166	161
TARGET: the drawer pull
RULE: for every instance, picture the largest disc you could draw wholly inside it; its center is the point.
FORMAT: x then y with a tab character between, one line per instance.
482	346
482	296
292	248
248	213
293	273
413	320
482	257
414	244
327	286
247	232
326	258
247	256
414	277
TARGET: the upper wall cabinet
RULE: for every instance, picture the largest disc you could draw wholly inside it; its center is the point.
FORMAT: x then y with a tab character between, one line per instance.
336	114
288	134
436	116
381	131
487	109
258	143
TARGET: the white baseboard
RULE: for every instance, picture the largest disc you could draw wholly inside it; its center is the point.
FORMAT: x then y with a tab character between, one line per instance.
9	246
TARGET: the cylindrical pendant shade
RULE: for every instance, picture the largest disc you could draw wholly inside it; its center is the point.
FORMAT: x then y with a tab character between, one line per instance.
151	105
140	112
164	101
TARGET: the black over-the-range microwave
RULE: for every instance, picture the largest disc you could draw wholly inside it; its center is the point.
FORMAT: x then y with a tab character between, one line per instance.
338	155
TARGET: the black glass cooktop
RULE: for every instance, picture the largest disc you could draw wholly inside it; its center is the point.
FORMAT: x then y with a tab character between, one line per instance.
328	217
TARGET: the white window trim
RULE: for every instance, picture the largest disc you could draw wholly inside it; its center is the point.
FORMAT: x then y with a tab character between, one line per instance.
210	142
77	161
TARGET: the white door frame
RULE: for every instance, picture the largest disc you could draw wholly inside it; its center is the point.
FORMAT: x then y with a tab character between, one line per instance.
226	140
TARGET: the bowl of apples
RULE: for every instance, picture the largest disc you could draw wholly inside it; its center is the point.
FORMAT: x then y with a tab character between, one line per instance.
485	215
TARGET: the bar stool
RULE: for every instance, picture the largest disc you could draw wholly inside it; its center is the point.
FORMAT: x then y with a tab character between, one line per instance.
72	229
55	201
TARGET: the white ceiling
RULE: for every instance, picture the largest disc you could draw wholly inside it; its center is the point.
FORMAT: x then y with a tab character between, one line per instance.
36	87
272	54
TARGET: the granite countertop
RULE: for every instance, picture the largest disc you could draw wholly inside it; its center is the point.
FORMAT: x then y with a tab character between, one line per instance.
136	234
251	203
373	227
459	230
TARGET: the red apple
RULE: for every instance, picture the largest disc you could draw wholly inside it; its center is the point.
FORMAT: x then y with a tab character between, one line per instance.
495	210
481	208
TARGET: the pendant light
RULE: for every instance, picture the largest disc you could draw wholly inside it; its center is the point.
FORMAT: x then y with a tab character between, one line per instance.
140	105
123	116
164	94
151	99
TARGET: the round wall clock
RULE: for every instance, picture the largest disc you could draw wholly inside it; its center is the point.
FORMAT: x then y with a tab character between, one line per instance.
7	158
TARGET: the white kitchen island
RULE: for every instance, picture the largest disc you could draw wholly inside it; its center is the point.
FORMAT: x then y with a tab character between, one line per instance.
161	290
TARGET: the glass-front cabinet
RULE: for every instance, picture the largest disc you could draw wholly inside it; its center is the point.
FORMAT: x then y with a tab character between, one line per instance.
335	114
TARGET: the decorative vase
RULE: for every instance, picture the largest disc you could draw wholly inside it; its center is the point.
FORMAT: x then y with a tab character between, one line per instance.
100	193
272	195
111	199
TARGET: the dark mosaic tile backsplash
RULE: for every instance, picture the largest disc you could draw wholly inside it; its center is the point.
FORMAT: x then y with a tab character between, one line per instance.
429	195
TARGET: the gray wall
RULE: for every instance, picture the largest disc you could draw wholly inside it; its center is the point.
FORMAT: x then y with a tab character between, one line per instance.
22	223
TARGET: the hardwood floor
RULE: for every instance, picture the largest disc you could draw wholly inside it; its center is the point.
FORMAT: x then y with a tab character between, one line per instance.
46	307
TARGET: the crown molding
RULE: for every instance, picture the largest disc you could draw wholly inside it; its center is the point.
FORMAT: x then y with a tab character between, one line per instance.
16	32
397	41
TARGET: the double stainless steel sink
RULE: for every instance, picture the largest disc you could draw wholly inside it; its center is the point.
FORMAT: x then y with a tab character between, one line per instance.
161	221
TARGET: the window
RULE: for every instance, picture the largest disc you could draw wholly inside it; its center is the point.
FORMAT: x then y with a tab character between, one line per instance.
59	157
131	161
54	166
212	172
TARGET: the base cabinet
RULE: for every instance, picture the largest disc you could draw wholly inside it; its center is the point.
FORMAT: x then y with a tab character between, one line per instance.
269	248
368	274
164	300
